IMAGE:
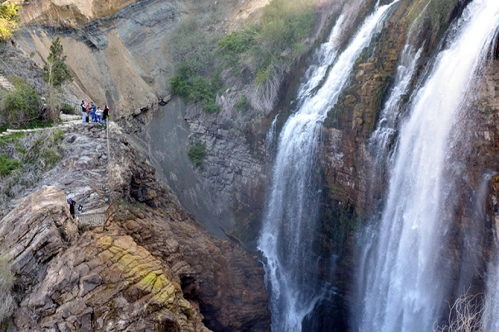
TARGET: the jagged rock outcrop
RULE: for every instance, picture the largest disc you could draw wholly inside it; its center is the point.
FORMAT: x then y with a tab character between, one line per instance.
98	282
151	261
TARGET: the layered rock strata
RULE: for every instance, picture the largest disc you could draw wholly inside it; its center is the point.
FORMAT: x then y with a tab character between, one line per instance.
152	267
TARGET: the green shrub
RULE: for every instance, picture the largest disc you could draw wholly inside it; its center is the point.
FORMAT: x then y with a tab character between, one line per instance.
237	42
67	109
22	104
8	165
9	18
196	88
180	82
242	103
197	153
211	107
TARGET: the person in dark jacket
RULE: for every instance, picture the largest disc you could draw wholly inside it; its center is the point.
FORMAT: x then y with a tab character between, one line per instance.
83	112
105	114
71	207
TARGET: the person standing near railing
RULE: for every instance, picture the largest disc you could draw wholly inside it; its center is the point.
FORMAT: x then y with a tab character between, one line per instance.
83	112
105	114
93	109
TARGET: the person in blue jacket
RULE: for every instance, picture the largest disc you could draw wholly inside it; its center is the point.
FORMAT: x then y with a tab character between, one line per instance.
93	108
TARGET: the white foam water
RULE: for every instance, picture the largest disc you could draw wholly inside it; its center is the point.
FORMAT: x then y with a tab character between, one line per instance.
290	216
406	277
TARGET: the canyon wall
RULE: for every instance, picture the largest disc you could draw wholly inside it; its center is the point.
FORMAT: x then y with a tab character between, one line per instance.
150	260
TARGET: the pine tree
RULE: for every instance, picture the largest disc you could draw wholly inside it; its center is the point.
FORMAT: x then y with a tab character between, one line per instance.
56	74
56	70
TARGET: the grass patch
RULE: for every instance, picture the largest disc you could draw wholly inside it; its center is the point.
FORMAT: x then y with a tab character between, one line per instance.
8	165
197	153
242	104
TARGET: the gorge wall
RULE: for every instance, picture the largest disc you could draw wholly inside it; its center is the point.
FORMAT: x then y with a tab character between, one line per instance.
150	267
118	53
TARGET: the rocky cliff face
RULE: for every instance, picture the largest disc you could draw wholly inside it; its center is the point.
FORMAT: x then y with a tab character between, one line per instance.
151	267
68	282
118	52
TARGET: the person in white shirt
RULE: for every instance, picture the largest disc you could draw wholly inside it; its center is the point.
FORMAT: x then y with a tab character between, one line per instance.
98	114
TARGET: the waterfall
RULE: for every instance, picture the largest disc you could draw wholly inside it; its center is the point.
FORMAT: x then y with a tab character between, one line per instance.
384	135
290	215
406	272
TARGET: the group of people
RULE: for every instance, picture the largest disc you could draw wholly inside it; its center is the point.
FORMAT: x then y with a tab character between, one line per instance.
91	113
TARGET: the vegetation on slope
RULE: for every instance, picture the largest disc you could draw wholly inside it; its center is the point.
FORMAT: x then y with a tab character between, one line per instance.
260	51
9	19
22	106
25	157
197	153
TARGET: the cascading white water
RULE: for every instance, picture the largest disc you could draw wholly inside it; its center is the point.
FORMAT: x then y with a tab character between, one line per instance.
406	276
290	216
384	135
380	145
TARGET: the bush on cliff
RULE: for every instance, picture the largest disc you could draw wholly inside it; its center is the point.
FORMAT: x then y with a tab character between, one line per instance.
21	105
9	19
8	165
195	88
201	53
197	153
193	55
278	39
